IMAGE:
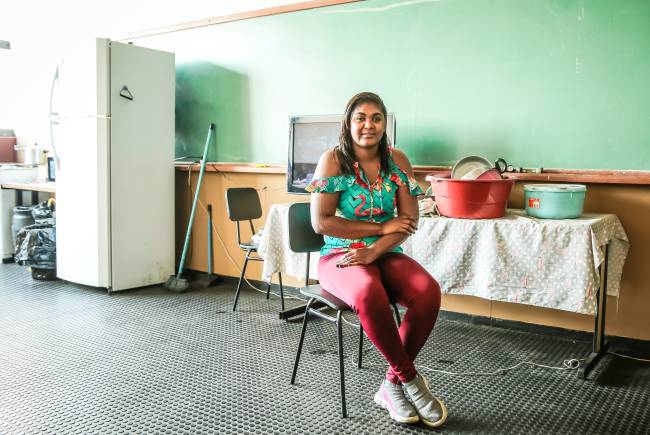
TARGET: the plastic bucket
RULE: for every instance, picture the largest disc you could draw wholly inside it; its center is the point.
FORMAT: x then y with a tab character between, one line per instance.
21	217
554	201
471	199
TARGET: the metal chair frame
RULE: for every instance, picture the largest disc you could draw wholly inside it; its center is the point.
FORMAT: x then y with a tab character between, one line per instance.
249	210
302	238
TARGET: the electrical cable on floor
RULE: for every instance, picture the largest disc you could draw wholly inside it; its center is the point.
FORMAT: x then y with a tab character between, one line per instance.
628	356
567	364
223	245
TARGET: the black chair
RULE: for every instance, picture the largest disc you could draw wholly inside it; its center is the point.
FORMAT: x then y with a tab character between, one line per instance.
243	204
302	238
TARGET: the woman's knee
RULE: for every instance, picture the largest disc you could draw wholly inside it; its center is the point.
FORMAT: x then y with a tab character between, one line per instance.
370	297
427	297
434	293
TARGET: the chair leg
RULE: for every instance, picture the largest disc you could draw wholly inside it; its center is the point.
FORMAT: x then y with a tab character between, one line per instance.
339	327
268	289
241	278
281	291
302	339
360	345
397	317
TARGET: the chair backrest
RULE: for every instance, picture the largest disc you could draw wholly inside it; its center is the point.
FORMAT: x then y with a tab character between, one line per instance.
243	203
302	237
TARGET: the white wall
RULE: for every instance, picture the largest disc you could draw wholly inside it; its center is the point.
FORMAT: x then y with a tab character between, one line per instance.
40	29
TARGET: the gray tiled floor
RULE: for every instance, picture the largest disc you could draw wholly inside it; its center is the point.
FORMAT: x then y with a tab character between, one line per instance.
75	360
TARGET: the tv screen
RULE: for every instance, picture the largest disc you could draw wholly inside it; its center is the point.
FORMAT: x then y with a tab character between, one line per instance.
309	137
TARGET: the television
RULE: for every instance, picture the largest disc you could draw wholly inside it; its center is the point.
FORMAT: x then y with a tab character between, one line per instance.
309	137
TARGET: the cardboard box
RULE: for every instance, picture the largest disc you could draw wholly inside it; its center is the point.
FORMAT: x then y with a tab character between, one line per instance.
7	151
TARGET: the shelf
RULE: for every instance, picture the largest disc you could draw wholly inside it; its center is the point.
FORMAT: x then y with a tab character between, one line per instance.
560	175
35	187
549	175
259	168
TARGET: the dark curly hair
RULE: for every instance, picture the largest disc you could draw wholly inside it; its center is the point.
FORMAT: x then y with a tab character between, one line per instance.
345	149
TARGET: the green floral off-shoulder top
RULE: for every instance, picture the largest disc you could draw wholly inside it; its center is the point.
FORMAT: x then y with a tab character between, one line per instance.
359	200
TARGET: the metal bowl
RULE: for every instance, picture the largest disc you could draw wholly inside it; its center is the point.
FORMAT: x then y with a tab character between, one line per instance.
474	164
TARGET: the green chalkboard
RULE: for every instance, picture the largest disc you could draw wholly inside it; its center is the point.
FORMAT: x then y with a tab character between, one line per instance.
542	83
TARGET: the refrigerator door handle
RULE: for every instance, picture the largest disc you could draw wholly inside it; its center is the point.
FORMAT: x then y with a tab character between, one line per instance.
124	92
54	117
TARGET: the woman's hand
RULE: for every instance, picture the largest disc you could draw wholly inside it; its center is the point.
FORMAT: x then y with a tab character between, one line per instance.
399	224
357	257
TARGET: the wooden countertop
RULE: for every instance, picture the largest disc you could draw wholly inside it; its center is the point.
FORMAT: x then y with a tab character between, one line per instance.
235	167
548	175
36	187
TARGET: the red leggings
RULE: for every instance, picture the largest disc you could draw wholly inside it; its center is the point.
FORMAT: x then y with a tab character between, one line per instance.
367	288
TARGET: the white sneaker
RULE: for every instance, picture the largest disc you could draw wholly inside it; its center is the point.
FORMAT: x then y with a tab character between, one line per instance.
432	411
391	397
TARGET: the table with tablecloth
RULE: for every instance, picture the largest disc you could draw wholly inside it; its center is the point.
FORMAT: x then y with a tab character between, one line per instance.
274	248
521	259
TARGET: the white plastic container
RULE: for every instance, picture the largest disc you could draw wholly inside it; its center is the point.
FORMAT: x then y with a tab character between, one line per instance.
30	154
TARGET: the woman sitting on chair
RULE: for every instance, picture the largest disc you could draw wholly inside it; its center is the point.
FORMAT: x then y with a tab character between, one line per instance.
364	203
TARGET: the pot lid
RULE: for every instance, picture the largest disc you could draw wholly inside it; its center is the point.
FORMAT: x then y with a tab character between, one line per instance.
555	187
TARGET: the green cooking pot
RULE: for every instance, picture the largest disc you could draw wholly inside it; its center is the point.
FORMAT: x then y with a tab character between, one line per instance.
554	201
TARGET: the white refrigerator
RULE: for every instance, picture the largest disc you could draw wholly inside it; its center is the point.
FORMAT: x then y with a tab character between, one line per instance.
113	133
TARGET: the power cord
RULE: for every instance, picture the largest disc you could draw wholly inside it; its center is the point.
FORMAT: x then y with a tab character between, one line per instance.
223	245
628	356
239	269
567	364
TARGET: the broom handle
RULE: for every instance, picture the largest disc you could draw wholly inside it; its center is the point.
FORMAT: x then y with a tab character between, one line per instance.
210	239
196	199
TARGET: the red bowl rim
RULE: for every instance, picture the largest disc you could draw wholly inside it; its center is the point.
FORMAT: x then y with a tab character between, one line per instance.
433	178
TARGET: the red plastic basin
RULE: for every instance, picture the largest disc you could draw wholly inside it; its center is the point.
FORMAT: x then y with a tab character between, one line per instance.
471	199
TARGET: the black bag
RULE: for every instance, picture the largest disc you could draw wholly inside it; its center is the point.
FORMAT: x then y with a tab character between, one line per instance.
36	246
41	211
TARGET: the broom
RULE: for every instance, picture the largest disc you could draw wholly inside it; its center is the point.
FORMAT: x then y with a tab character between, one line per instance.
177	283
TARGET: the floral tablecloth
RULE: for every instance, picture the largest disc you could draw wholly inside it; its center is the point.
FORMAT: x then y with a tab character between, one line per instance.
274	248
520	259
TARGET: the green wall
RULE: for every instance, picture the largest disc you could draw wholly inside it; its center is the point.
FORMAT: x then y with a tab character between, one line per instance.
542	83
